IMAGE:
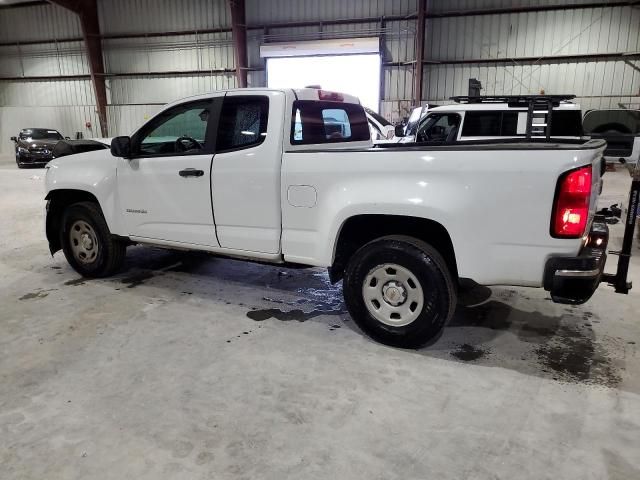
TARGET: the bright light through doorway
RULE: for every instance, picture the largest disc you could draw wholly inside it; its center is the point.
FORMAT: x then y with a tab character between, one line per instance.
358	75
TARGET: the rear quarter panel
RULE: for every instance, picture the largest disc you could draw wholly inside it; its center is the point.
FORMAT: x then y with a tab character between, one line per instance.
495	204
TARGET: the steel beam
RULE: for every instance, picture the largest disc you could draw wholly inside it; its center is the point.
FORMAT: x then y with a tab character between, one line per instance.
22	5
577	57
239	33
419	65
87	11
342	21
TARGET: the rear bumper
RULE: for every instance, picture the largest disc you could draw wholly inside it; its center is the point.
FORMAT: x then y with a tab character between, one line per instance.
573	280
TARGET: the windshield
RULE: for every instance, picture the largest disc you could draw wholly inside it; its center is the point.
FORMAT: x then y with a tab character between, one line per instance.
412	124
39	134
612	121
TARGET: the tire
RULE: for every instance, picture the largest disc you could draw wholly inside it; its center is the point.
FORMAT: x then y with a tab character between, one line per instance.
87	243
420	271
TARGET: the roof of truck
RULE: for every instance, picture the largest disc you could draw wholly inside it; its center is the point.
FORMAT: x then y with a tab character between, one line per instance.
463	107
300	93
322	94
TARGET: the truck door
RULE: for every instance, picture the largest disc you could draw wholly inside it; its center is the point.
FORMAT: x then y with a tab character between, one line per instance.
164	188
245	176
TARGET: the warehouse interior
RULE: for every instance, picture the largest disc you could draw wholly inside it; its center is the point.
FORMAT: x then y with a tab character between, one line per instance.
190	365
154	53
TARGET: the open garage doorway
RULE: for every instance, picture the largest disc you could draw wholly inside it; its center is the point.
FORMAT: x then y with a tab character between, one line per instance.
349	66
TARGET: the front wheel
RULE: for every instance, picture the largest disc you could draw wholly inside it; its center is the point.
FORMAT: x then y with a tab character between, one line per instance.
400	291
87	243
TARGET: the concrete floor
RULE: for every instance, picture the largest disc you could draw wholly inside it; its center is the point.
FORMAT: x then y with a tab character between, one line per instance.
188	366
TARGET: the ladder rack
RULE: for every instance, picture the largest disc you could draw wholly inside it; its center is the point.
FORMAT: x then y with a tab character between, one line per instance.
535	105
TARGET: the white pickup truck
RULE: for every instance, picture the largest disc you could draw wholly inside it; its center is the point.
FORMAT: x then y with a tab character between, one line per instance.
291	177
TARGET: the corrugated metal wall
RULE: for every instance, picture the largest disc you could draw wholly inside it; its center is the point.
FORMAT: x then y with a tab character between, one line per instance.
134	98
65	105
598	82
147	71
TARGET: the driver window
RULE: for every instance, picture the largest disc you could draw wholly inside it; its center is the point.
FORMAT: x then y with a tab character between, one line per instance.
439	128
178	131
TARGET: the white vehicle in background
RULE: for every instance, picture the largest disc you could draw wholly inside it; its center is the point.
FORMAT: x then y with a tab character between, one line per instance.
291	177
621	130
494	118
413	122
381	129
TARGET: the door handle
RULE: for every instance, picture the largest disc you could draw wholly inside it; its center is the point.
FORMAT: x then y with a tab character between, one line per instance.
191	172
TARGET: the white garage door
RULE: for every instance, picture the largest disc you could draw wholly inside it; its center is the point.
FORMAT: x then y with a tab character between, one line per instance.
345	65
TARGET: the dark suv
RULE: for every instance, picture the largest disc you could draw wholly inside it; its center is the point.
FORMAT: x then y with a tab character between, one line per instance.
34	146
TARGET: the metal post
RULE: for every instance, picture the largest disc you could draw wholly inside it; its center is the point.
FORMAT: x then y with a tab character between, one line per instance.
87	11
619	281
239	33
383	26
422	7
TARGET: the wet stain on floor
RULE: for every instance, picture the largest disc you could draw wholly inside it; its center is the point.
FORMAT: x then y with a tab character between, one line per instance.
32	295
75	282
487	328
468	353
137	279
297	315
573	355
37	294
561	347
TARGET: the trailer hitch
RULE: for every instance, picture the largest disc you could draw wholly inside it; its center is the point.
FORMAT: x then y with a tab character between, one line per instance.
619	280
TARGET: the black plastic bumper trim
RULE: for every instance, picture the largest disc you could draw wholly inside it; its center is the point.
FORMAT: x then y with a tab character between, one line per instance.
573	280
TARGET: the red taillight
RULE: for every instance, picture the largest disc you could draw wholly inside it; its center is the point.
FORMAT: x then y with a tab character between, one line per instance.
571	209
330	96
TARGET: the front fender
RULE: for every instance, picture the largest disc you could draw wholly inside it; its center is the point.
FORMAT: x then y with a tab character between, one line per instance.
92	172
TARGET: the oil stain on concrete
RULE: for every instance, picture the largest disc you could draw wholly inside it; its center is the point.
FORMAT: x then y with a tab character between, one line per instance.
297	315
573	355
468	353
37	294
137	279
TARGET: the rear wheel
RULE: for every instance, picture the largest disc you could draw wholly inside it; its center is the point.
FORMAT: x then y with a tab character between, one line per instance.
400	291
87	243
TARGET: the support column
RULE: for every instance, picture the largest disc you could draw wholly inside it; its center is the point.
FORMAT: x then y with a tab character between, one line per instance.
239	32
87	11
420	21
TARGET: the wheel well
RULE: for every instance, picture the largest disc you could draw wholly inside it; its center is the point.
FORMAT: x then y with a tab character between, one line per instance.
57	202
360	230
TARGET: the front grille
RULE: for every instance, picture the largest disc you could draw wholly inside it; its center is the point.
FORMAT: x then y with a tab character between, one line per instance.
40	152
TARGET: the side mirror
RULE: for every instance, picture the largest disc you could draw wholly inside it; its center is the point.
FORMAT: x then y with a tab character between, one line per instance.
399	130
121	147
14	139
67	138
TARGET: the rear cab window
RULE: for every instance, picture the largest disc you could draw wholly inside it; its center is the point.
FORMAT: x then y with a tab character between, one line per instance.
317	122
